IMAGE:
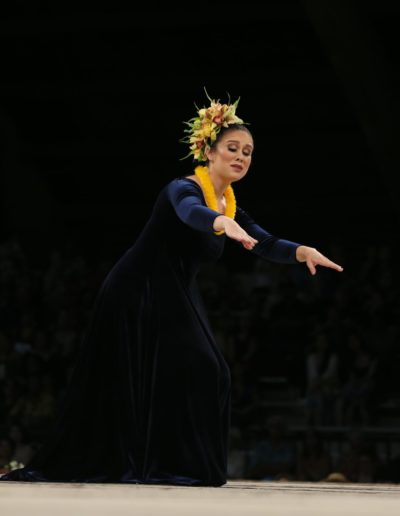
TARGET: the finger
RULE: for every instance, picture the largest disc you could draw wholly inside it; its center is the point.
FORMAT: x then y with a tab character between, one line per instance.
250	241
244	237
247	244
328	263
336	267
248	237
310	265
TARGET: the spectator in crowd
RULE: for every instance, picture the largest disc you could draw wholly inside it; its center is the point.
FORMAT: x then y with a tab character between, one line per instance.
12	399
360	368
23	450
358	461
391	470
245	406
237	453
6	451
273	457
38	405
314	462
322	382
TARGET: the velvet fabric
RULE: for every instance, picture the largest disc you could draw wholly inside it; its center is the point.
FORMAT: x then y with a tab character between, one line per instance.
149	399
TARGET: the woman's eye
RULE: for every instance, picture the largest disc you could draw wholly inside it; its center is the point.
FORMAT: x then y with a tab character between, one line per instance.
245	152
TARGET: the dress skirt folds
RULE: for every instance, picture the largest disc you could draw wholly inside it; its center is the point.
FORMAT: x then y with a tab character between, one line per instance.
149	398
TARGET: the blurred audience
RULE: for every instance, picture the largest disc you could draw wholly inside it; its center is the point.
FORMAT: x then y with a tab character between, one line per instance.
322	382
314	462
331	342
273	457
359	461
23	450
360	367
6	451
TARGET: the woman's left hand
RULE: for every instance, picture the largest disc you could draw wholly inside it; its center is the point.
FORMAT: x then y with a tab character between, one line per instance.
312	257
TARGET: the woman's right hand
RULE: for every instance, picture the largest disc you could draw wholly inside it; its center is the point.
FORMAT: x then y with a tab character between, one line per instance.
234	231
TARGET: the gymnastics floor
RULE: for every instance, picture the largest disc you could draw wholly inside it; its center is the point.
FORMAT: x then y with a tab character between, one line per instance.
236	497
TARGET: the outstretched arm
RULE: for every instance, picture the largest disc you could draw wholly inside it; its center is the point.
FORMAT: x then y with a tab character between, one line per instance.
268	246
256	239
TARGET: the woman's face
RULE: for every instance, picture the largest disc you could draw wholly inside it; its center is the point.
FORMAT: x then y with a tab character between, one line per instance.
231	157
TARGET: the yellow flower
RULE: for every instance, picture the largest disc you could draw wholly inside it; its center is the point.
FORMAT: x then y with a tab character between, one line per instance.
211	198
207	130
203	130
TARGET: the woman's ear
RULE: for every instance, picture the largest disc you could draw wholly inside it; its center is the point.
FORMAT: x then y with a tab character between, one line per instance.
209	154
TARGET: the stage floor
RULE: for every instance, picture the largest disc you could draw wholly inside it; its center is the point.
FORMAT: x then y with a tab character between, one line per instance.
236	497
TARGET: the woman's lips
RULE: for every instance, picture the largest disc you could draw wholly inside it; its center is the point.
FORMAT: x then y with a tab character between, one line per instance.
239	168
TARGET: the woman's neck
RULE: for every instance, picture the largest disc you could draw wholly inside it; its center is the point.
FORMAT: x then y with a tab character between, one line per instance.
220	184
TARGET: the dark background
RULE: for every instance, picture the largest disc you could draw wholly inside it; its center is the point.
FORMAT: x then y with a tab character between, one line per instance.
91	112
92	104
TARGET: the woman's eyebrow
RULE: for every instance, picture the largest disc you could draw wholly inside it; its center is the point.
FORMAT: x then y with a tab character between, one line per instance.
237	141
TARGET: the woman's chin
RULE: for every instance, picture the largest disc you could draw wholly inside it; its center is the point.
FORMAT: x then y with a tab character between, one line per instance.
236	176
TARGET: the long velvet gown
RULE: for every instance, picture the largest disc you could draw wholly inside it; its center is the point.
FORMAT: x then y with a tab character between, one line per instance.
149	398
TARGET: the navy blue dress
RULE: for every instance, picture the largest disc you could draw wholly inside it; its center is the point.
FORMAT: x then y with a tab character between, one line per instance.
149	398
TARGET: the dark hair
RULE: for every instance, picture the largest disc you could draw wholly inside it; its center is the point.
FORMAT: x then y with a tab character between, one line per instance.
231	127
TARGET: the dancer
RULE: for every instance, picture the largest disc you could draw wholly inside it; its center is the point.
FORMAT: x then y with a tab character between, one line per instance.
149	398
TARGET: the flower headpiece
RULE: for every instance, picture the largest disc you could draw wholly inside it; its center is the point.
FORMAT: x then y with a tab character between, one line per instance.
203	129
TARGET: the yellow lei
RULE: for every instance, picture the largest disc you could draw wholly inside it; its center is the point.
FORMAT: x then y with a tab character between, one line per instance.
211	198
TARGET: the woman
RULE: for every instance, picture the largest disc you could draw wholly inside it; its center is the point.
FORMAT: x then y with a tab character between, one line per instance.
149	399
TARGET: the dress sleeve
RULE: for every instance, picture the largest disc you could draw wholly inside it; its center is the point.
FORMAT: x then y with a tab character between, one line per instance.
269	246
188	203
